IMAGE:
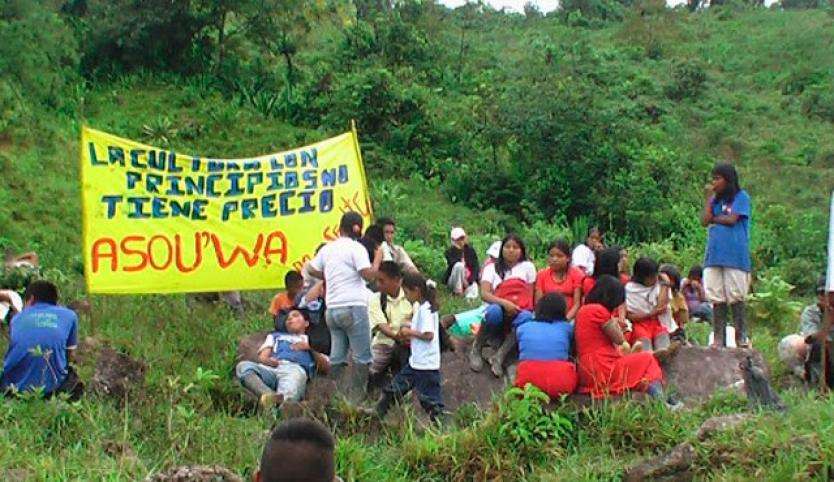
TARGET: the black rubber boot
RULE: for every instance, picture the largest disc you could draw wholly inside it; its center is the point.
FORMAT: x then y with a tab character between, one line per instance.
476	359
496	361
719	325
740	323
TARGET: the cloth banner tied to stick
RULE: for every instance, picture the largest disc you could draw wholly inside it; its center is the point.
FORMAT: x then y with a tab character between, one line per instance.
157	221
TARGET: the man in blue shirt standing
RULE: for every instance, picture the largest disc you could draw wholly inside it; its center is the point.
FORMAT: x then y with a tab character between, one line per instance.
727	264
43	338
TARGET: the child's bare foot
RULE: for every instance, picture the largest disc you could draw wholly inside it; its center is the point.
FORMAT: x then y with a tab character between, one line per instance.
665	353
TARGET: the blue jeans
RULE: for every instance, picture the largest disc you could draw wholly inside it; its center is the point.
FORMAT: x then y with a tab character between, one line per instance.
703	311
349	328
288	378
425	382
494	319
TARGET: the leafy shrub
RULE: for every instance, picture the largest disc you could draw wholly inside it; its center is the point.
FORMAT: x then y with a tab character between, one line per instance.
818	101
771	303
525	423
688	79
45	74
593	9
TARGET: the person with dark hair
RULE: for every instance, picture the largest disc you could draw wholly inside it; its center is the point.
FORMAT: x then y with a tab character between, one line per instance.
507	289
285	363
560	277
293	283
604	369
810	329
647	306
42	340
299	449
693	291
422	373
388	310
622	267
727	263
372	240
392	251
344	265
462	267
607	263
544	346
584	255
677	303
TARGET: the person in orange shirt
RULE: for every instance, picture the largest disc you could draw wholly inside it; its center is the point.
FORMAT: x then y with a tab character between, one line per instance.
287	299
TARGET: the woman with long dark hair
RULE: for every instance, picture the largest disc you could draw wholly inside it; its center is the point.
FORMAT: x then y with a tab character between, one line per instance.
604	369
727	264
507	289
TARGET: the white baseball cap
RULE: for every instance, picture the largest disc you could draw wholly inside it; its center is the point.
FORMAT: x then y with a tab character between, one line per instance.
494	250
458	233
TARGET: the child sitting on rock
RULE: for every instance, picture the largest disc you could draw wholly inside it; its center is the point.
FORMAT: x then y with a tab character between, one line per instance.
293	282
285	363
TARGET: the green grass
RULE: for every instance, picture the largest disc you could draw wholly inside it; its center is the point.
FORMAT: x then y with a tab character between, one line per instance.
165	424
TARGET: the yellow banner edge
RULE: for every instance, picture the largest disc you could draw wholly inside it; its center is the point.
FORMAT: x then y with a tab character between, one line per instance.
362	168
84	217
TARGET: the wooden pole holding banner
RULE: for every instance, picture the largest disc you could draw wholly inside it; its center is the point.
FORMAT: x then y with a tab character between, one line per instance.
362	167
828	313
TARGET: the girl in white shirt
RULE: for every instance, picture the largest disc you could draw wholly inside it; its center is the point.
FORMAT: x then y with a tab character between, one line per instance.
423	370
507	289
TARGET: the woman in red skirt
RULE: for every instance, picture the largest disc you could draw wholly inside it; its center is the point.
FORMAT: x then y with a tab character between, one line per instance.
544	346
603	368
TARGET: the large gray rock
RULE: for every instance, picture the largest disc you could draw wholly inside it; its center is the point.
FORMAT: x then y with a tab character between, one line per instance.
696	373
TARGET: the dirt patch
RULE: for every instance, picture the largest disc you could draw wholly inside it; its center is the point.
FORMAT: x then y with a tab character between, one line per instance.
196	473
117	374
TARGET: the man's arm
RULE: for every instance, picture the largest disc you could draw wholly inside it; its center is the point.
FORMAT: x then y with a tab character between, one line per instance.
421	335
369	274
726	219
377	318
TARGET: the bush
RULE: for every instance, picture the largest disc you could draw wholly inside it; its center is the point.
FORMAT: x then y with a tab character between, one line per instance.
38	59
771	304
688	79
818	101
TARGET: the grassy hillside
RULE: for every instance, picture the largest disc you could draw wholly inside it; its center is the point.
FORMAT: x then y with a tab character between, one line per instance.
663	94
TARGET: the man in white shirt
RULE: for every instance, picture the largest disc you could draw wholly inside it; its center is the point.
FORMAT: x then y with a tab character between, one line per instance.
344	266
583	256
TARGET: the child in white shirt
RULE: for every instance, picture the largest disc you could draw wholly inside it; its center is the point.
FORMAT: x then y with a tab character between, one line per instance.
423	370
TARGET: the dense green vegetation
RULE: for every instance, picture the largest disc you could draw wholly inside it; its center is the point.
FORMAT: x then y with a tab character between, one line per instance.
602	113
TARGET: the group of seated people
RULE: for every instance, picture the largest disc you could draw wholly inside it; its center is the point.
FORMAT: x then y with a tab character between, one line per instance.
583	323
594	329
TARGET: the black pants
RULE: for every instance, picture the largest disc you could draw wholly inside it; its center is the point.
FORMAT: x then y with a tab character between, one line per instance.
813	366
425	382
71	385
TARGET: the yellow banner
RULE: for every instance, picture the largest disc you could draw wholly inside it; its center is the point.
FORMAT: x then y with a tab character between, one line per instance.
157	221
